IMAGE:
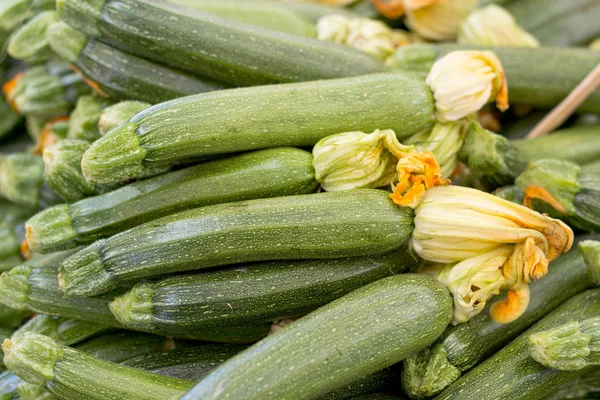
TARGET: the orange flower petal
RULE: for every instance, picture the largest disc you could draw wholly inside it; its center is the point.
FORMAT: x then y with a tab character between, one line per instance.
392	9
536	192
9	86
515	304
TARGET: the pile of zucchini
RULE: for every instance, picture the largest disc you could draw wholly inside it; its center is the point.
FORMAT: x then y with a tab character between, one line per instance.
165	232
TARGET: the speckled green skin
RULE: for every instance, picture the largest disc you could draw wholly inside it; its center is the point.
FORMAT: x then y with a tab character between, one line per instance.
235	120
64	331
367	330
511	373
254	292
260	174
323	225
228	51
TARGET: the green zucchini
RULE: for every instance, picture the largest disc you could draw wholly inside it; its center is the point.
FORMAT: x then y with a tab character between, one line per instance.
62	330
119	113
539	77
496	161
269	15
74	375
83	120
120	75
323	225
14	12
464	346
11	317
365	331
29	391
227	51
314	11
12	231
29	42
260	174
511	373
249	293
558	23
586	386
252	118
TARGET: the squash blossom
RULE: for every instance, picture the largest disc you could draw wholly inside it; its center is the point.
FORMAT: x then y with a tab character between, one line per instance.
494	26
485	244
437	19
464	81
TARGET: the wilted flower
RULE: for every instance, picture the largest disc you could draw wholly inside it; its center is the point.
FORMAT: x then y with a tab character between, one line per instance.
464	81
437	19
334	28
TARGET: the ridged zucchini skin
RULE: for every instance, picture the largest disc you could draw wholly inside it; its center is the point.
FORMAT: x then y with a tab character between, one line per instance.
360	333
253	292
260	174
511	373
227	51
324	225
236	120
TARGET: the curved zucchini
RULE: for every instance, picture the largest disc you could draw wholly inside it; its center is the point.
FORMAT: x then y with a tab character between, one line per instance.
365	331
267	14
250	293
464	346
511	373
235	120
260	174
121	75
227	51
539	77
323	225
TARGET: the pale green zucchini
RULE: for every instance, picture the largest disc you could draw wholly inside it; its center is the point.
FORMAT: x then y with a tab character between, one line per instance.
367	330
323	225
251	292
267	14
464	346
74	375
29	43
235	120
511	373
260	174
228	51
119	113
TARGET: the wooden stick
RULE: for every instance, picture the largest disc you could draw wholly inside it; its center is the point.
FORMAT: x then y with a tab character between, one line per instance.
561	112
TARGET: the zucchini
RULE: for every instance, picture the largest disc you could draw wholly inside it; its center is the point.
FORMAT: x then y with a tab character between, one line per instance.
119	113
11	232
227	51
323	225
237	120
62	330
121	75
73	375
511	373
539	77
260	174
29	43
314	11
496	161
586	386
83	120
269	15
464	346
11	317
250	293
365	331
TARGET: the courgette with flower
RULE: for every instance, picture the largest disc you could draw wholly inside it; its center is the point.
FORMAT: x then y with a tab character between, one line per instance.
260	174
563	189
512	372
120	75
73	374
539	77
369	329
496	161
464	346
227	51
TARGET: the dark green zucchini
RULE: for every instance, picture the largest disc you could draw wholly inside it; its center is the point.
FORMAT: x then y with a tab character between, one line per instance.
323	225
260	174
511	373
586	386
464	346
62	330
253	118
365	331
74	375
11	317
250	293
228	51
539	77
121	75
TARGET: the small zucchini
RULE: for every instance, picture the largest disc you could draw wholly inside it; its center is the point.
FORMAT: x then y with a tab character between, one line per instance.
250	293
74	375
260	174
511	373
464	346
365	331
62	330
121	75
227	51
236	120
28	43
323	225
